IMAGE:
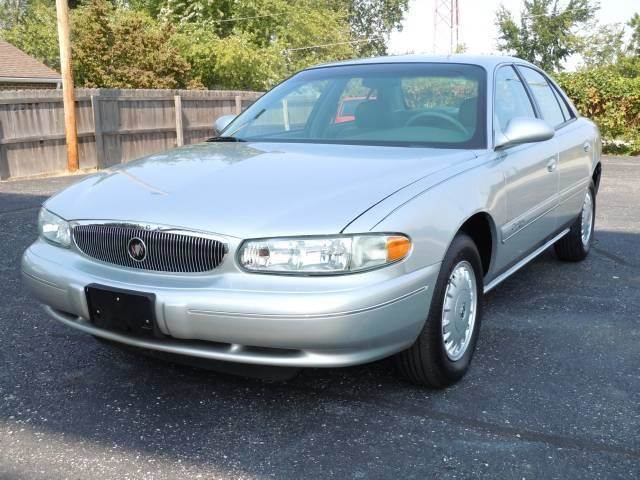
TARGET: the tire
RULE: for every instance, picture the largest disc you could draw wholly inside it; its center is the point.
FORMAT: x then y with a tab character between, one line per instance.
575	245
433	361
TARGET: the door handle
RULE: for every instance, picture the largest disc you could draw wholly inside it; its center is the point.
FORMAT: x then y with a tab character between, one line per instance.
586	147
552	164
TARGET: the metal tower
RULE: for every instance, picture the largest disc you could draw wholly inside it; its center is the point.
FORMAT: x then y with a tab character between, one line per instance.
446	20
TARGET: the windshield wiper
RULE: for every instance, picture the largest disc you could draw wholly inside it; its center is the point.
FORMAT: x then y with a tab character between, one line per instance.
225	139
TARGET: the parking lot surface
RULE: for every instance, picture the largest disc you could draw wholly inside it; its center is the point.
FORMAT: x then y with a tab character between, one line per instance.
553	392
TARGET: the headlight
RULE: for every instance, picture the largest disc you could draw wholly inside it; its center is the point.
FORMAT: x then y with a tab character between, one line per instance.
323	255
54	228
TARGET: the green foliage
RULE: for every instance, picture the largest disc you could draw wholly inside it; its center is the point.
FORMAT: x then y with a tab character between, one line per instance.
200	43
612	101
240	65
634	44
11	11
117	48
607	88
546	35
265	41
34	32
365	23
603	47
372	21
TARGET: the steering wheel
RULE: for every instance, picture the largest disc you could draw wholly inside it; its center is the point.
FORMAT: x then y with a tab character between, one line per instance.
437	116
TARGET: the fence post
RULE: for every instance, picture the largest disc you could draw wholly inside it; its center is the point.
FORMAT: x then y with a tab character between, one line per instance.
97	129
179	127
238	104
4	167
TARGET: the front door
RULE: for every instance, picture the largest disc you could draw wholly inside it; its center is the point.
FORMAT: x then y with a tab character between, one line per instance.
530	172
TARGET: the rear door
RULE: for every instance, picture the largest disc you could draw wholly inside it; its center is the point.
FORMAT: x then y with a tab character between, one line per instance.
575	145
530	171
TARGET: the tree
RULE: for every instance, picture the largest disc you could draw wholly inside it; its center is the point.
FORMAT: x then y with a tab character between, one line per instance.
264	40
634	44
372	21
603	47
112	48
10	11
33	30
368	22
201	43
117	48
546	34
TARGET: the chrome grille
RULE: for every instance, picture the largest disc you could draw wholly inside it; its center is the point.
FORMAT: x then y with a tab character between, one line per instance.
165	251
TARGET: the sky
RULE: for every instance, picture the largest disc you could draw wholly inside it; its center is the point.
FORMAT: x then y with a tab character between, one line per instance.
477	29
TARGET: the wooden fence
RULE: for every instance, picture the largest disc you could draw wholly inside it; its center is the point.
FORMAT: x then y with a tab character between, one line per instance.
114	126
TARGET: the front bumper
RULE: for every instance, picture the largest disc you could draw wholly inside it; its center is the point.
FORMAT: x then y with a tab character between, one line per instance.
247	318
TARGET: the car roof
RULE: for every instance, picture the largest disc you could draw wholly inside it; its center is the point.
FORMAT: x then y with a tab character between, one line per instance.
486	61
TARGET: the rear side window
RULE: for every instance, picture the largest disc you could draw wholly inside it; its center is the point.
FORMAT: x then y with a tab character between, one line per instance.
544	95
563	106
511	99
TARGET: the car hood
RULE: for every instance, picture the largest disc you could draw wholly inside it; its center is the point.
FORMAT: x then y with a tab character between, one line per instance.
252	189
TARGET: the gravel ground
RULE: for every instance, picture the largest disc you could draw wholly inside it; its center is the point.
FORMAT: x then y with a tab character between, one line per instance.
553	392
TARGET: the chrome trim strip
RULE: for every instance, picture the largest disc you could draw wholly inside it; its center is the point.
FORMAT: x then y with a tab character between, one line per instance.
45	282
518	224
573	190
153	227
318	315
523	221
502	277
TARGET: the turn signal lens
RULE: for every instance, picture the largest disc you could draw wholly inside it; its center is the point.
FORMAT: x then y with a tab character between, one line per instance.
323	255
397	248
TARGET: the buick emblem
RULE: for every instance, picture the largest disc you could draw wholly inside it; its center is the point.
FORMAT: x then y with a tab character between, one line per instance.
137	249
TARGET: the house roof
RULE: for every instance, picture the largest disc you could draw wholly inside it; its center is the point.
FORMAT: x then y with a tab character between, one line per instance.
15	65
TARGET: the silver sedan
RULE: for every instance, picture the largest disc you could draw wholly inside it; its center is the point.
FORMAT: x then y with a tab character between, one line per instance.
356	211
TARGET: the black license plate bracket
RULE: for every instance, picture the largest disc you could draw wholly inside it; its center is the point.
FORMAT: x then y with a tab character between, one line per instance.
122	311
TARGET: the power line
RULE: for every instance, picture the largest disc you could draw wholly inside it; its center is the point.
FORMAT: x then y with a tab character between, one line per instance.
326	45
551	15
237	19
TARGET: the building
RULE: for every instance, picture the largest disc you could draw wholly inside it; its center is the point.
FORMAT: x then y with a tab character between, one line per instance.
19	71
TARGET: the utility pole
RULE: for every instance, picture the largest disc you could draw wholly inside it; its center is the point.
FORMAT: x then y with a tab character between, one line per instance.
446	15
68	96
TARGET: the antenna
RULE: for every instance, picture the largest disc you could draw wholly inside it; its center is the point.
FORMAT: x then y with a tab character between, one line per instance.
446	16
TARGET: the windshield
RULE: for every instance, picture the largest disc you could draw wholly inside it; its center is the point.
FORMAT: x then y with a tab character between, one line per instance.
404	104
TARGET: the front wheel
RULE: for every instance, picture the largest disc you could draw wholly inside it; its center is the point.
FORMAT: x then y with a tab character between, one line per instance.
442	352
575	245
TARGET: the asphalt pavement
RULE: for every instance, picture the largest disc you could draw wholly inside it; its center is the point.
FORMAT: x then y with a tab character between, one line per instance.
553	391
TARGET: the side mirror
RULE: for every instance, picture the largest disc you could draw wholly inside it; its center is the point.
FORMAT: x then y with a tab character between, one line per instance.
524	130
222	122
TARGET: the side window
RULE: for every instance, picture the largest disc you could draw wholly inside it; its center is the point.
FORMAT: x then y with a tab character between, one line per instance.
563	106
291	113
511	99
544	95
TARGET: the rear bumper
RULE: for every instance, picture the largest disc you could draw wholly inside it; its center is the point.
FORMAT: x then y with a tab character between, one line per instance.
247	318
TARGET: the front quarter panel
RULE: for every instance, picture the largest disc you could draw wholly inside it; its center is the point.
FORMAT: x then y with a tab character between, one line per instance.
432	212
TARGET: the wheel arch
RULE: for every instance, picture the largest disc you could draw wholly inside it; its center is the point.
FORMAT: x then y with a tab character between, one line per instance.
480	227
597	176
